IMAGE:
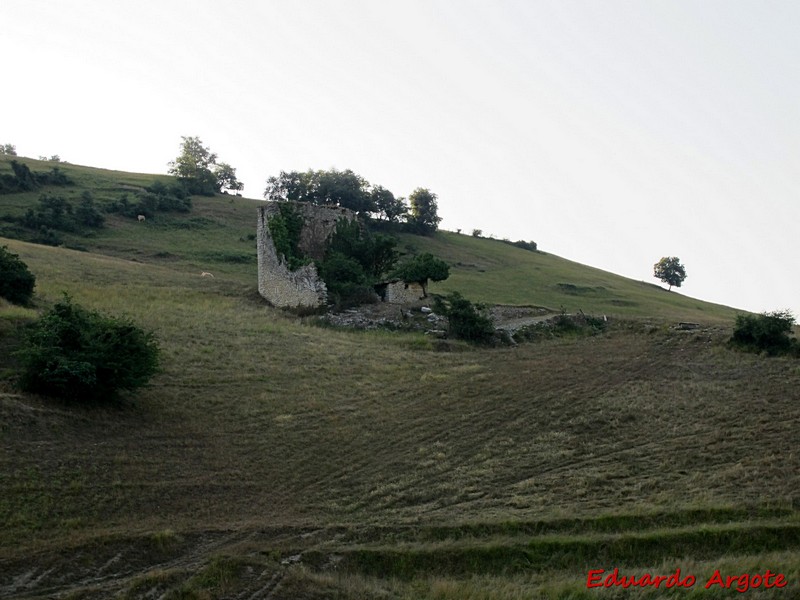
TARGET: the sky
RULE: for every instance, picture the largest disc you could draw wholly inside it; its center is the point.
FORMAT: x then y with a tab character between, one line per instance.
611	132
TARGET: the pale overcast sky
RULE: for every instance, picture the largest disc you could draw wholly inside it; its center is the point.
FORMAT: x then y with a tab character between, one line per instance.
610	132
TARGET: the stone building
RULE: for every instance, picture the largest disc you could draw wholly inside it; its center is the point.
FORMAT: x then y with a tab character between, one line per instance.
303	287
398	291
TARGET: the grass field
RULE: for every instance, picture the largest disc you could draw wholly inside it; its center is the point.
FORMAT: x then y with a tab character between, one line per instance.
274	459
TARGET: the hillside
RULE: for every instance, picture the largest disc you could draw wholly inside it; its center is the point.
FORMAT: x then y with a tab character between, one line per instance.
217	235
275	459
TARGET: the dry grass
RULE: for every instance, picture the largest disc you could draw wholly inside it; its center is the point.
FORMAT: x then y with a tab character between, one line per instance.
277	458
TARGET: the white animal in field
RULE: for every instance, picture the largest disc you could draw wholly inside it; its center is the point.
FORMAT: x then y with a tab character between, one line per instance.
206	274
141	218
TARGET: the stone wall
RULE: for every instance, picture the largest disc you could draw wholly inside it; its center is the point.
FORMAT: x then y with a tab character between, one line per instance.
400	292
301	288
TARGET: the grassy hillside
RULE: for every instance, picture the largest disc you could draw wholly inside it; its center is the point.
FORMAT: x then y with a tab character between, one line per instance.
218	234
274	459
493	271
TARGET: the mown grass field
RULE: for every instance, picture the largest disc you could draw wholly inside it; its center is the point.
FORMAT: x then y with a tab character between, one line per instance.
275	459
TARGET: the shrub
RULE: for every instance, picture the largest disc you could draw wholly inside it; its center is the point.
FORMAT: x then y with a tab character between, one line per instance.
354	261
467	321
55	212
768	332
16	281
285	228
78	354
87	214
347	283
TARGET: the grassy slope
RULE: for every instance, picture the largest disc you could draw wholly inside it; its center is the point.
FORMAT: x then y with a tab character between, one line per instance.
486	474
496	272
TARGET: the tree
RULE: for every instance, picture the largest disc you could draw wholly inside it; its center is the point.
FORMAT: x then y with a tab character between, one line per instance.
422	268
354	261
343	188
293	186
424	218
16	281
670	270
339	188
8	149
194	167
78	354
226	178
388	207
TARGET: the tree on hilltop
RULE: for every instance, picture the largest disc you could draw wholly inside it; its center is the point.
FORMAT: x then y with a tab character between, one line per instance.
339	188
388	207
424	211
196	166
226	178
670	270
8	149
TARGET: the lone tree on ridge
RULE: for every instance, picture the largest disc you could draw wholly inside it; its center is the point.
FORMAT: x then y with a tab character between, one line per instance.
670	270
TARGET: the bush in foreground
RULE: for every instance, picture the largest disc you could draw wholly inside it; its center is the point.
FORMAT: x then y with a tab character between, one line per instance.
767	332
78	354
16	281
467	321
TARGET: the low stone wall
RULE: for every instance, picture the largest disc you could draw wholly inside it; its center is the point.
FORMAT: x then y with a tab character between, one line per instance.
301	288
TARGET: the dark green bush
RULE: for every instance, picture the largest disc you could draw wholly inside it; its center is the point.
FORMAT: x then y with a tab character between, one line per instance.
25	180
467	321
78	354
347	283
158	197
16	281
767	332
87	214
354	261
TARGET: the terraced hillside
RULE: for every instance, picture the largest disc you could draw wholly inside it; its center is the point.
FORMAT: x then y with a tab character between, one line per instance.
275	459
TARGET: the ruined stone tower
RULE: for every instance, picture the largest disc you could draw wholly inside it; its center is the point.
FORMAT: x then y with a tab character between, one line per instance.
301	288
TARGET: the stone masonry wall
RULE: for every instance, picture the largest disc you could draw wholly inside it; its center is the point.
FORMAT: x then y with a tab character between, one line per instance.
400	292
301	288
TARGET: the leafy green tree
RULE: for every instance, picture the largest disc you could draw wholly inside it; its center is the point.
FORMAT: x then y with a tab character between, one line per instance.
292	186
77	354
226	178
374	252
670	270
16	280
194	167
387	206
422	268
424	211
354	262
8	149
338	188
343	188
